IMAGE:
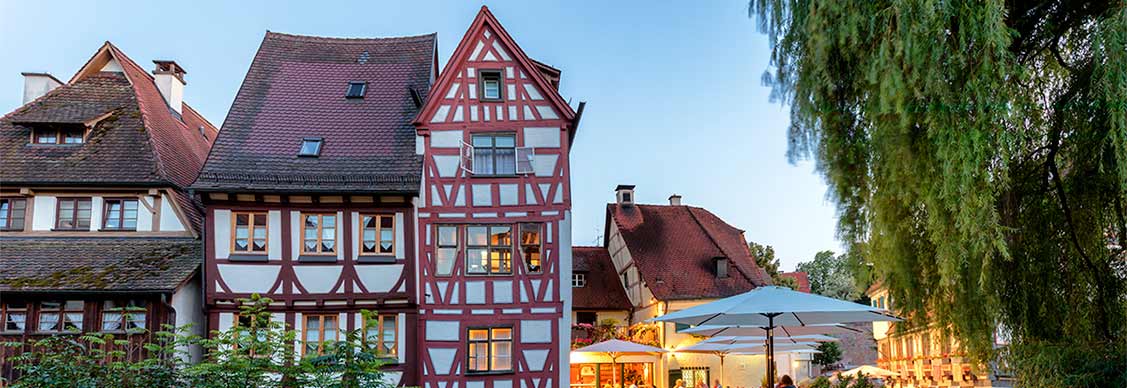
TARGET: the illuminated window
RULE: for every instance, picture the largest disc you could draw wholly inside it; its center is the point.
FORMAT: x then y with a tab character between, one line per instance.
489	249
250	231
530	247
490	350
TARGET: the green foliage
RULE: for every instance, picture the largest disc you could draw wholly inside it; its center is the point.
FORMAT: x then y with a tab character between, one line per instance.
1070	365
787	282
977	153
260	353
830	354
836	276
765	258
841	382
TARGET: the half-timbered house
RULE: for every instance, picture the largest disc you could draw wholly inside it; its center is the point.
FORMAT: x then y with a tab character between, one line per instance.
310	191
97	231
494	220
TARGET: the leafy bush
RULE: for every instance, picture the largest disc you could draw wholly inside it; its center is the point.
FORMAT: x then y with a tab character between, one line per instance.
261	355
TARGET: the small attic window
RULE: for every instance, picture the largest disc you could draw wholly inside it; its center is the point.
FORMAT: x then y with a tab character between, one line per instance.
310	146
721	267
356	89
58	136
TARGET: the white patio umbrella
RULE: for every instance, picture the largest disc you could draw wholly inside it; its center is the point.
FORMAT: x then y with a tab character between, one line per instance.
763	352
868	370
763	339
770	307
618	348
722	350
754	331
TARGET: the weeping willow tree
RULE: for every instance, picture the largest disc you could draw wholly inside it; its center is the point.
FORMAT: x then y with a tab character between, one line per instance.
977	153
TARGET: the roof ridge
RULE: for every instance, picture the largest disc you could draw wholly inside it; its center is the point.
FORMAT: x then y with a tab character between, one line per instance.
321	38
708	232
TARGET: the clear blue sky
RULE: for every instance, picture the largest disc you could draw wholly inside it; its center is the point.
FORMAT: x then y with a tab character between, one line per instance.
675	102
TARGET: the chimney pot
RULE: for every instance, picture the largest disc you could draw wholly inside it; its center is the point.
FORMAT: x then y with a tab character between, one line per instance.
35	85
169	78
624	195
675	200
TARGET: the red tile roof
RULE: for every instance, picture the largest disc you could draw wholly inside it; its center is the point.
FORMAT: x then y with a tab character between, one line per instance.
139	141
295	89
603	290
674	248
802	278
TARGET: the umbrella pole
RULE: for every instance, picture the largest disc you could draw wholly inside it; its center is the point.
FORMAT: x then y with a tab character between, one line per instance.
721	370
771	350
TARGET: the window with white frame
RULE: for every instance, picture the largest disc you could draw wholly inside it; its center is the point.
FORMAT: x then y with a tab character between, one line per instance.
446	253
578	280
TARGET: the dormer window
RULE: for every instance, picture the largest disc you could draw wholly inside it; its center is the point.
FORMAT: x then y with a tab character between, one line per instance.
356	89
490	85
721	267
58	136
578	280
310	146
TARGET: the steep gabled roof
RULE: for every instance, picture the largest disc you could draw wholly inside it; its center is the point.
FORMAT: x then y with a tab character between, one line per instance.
97	263
603	290
675	248
486	20
295	89
137	140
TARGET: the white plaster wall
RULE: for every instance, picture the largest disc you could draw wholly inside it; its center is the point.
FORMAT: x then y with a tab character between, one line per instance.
221	224
96	203
442	330
447	165
542	137
502	291
400	248
112	66
536	332
274	235
295	233
318	279
507	194
446	139
544	165
379	277
249	278
564	285
43	217
356	226
475	292
169	221
482	195
188	304
144	216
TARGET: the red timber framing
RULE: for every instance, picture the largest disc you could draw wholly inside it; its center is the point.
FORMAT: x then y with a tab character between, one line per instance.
535	305
339	284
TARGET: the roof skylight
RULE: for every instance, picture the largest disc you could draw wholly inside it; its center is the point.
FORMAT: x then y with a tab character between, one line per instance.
310	146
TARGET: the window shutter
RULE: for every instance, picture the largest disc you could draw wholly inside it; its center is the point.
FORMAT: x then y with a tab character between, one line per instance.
524	160
466	158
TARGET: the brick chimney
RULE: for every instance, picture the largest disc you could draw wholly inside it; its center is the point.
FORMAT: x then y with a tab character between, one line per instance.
169	78
35	85
674	200
624	195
